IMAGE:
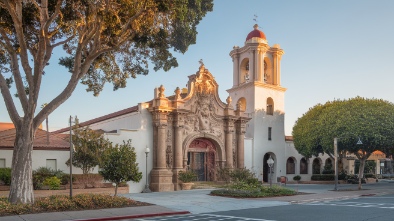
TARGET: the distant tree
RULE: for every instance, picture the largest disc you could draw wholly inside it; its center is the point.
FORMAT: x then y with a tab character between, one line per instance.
89	145
119	164
371	120
106	41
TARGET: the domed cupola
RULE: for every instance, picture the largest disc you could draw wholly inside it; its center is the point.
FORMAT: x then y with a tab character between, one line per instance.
256	33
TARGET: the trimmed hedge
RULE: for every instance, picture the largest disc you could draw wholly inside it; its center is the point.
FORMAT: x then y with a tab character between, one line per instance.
323	177
58	203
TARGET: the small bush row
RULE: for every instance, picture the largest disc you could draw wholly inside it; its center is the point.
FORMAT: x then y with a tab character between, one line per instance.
5	175
261	191
323	177
63	203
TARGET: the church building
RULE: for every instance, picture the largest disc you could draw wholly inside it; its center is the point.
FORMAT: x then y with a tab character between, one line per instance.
195	129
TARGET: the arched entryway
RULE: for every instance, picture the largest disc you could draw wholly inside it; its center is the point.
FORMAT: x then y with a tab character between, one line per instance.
201	158
266	169
316	166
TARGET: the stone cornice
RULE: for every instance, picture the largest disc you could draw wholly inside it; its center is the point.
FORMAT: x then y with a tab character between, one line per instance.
257	84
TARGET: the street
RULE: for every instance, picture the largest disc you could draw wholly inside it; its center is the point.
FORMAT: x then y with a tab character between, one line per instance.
363	208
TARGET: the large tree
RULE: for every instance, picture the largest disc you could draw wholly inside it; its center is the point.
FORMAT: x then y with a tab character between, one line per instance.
106	41
371	120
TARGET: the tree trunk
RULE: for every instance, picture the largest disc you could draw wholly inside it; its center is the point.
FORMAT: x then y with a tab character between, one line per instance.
21	190
116	189
361	172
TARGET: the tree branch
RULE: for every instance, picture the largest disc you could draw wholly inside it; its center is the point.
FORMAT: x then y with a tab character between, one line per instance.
9	102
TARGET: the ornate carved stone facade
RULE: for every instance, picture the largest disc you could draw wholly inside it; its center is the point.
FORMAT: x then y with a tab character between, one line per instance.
194	130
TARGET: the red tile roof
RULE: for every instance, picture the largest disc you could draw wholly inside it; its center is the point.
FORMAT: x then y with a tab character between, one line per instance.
7	138
288	138
6	126
102	118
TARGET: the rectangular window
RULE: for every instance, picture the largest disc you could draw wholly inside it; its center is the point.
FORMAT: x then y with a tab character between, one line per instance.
51	164
269	133
2	163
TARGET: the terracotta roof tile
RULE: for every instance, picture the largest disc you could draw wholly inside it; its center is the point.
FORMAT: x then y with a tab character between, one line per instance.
288	138
7	138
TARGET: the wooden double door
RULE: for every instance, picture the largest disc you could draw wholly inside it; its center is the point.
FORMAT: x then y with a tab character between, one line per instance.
201	159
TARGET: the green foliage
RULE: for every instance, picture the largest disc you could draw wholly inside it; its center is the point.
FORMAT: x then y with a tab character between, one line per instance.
52	182
58	203
119	164
5	175
42	173
328	169
89	145
342	175
297	178
244	175
370	119
223	174
260	191
187	176
323	177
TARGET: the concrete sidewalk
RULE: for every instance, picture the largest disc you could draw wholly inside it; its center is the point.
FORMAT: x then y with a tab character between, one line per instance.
199	201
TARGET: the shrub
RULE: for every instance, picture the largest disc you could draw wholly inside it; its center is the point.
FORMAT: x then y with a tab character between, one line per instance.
223	174
5	175
52	182
261	191
323	177
243	175
328	169
342	175
187	176
297	178
55	203
63	203
42	173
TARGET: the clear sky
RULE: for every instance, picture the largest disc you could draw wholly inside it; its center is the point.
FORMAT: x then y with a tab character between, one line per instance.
333	50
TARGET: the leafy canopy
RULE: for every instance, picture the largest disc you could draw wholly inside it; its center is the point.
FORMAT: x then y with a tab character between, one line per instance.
371	120
119	164
88	145
107	41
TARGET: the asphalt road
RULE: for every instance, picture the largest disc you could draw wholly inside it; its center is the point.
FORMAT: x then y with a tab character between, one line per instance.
371	208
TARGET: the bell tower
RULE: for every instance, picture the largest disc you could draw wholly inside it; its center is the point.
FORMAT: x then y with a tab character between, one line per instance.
257	91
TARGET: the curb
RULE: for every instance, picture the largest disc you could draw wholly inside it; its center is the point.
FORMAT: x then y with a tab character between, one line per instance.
134	216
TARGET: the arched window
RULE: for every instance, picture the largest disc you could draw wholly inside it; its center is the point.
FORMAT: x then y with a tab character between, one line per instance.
303	166
290	166
241	104
244	71
316	166
270	106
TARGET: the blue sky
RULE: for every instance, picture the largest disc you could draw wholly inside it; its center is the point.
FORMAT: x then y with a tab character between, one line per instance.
334	49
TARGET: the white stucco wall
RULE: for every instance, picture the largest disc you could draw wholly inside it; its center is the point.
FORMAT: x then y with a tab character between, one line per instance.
141	134
40	157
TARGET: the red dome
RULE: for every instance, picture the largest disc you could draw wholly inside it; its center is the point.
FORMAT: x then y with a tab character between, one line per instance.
256	33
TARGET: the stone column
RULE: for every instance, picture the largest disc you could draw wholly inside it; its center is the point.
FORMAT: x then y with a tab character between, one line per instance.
236	75
178	152
161	145
229	142
276	57
240	143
